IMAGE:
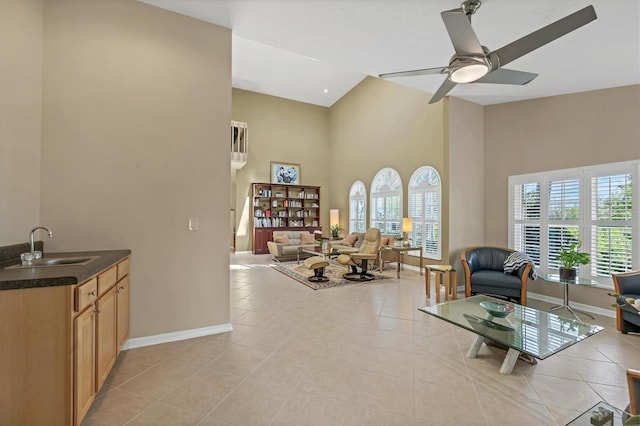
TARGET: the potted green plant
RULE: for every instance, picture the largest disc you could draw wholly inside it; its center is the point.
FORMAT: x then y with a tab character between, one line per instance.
570	258
335	230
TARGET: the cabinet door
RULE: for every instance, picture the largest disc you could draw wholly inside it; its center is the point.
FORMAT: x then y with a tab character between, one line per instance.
260	238
105	335
122	323
84	365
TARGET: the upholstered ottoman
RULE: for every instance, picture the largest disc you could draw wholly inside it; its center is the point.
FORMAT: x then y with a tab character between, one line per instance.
317	263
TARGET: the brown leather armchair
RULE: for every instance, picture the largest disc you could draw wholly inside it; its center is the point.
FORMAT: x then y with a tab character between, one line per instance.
364	257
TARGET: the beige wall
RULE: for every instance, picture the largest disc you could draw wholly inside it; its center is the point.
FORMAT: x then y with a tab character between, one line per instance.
465	156
136	112
553	133
280	130
383	124
20	111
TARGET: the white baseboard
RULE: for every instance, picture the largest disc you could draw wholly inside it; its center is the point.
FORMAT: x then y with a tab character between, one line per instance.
139	342
579	306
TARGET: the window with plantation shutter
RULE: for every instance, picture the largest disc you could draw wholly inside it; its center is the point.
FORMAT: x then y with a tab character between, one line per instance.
597	205
611	224
425	195
358	207
386	201
563	213
526	219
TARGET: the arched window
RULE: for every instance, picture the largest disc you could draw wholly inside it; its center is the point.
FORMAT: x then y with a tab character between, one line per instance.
357	207
386	202
425	195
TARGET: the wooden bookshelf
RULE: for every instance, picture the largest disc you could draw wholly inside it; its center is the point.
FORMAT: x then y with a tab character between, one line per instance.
282	207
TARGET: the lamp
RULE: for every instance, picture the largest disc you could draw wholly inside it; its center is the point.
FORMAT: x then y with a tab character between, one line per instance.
468	69
407	226
334	222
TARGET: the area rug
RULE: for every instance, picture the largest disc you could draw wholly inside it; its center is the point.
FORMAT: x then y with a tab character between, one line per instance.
334	272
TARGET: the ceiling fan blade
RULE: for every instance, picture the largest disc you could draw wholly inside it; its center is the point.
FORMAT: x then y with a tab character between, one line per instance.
464	39
544	35
445	88
505	76
425	71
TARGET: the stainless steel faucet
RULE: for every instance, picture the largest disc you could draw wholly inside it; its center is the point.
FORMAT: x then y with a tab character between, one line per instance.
33	231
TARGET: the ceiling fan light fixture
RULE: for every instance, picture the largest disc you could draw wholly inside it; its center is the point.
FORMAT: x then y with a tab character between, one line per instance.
469	73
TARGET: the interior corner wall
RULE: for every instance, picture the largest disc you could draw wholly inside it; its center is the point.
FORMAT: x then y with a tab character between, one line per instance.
383	124
286	131
558	132
20	118
135	140
465	155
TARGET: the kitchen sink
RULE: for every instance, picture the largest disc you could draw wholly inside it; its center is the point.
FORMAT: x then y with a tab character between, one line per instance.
56	261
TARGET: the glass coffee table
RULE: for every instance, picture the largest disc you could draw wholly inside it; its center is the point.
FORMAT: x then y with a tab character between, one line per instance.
521	329
600	414
317	250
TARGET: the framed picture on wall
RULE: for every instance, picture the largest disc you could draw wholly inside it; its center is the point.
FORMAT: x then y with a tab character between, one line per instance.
286	173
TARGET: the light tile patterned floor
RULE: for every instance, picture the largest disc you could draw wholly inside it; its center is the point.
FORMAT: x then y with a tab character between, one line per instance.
356	355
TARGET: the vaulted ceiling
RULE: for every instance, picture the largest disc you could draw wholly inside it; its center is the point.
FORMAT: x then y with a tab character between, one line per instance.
315	51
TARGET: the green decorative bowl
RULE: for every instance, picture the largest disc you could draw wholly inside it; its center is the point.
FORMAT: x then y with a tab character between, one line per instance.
497	309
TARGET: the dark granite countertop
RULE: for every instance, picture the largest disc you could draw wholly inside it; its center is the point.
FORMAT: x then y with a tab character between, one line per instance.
30	277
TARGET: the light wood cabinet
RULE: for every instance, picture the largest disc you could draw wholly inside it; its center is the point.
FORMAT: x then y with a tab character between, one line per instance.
59	344
122	323
106	315
84	362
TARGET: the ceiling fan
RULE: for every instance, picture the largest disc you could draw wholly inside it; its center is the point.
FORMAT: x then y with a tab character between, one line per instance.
475	63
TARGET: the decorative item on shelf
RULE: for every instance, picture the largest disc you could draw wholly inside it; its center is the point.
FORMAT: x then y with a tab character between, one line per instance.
407	226
570	258
320	239
602	417
632	420
497	309
334	222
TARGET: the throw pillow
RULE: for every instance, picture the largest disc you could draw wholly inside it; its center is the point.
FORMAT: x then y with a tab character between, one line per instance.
349	240
384	241
307	239
281	239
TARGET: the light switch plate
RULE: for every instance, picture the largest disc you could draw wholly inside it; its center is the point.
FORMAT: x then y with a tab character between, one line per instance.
193	224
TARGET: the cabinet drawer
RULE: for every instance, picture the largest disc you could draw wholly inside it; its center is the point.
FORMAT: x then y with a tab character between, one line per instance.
123	269
86	294
107	279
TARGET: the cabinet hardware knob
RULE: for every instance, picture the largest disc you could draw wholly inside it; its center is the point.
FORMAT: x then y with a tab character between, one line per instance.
97	311
121	288
92	293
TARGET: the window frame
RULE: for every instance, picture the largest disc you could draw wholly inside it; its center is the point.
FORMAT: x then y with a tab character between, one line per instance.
585	222
381	189
355	198
424	187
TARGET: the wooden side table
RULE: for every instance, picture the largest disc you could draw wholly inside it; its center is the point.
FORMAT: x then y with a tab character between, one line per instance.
443	274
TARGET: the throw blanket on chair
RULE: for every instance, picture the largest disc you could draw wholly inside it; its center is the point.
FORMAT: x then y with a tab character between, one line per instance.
516	260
